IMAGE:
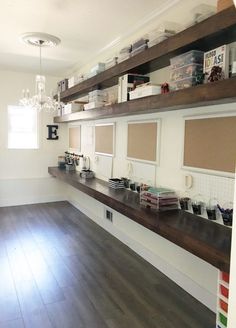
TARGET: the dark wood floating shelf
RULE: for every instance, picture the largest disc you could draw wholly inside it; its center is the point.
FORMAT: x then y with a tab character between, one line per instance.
205	35
203	238
202	95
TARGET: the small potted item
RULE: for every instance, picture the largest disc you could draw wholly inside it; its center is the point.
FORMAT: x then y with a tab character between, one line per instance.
227	213
126	182
184	203
211	209
133	186
138	188
198	204
61	162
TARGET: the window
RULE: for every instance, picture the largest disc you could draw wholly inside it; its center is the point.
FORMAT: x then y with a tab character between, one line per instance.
22	127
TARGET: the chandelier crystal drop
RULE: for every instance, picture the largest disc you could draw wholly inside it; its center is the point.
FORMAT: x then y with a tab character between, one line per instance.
40	101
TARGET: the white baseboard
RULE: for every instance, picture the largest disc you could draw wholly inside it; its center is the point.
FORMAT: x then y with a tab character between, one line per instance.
31	200
190	286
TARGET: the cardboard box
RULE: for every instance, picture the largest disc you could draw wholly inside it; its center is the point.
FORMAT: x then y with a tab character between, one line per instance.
224	4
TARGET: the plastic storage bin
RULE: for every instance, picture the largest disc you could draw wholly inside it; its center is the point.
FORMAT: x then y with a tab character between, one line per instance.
159	198
186	71
185	83
139	49
190	57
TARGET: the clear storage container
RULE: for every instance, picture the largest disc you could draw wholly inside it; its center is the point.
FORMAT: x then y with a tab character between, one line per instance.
186	71
190	57
184	83
139	49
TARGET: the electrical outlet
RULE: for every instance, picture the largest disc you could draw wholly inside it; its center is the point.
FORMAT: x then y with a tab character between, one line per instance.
108	215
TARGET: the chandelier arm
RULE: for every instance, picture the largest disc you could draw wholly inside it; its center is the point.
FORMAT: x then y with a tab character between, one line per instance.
40	101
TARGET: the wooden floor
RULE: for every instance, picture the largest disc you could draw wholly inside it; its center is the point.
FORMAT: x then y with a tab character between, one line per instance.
59	269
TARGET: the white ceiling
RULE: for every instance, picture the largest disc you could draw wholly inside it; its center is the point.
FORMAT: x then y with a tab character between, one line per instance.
84	27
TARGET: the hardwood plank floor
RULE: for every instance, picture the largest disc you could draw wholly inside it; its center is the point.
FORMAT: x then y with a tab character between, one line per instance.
58	269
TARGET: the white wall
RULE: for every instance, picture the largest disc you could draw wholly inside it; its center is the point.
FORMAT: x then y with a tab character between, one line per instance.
23	173
169	171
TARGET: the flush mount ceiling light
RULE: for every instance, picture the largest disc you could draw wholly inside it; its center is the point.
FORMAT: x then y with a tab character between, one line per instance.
40	100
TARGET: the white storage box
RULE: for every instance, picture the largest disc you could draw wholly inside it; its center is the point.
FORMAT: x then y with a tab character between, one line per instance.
71	108
122	57
98	68
93	104
96	93
102	98
71	82
111	62
159	38
148	90
97	96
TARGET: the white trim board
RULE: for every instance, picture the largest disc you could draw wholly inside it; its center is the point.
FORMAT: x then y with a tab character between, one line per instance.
158	141
230	113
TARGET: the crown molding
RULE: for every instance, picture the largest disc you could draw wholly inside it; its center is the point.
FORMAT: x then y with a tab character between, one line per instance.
140	24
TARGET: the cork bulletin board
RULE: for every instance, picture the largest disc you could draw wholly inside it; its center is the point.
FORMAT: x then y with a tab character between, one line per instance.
75	138
104	139
142	141
210	143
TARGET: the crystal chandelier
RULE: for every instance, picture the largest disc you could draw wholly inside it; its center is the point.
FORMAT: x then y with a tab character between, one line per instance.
40	101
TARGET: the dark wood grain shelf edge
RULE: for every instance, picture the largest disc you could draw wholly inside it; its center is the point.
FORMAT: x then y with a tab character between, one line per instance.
202	95
205	239
205	35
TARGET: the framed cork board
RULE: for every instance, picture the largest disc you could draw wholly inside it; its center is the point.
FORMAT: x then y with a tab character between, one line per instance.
142	141
104	139
210	143
75	137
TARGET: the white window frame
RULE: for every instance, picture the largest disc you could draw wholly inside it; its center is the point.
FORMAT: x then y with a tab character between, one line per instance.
35	127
